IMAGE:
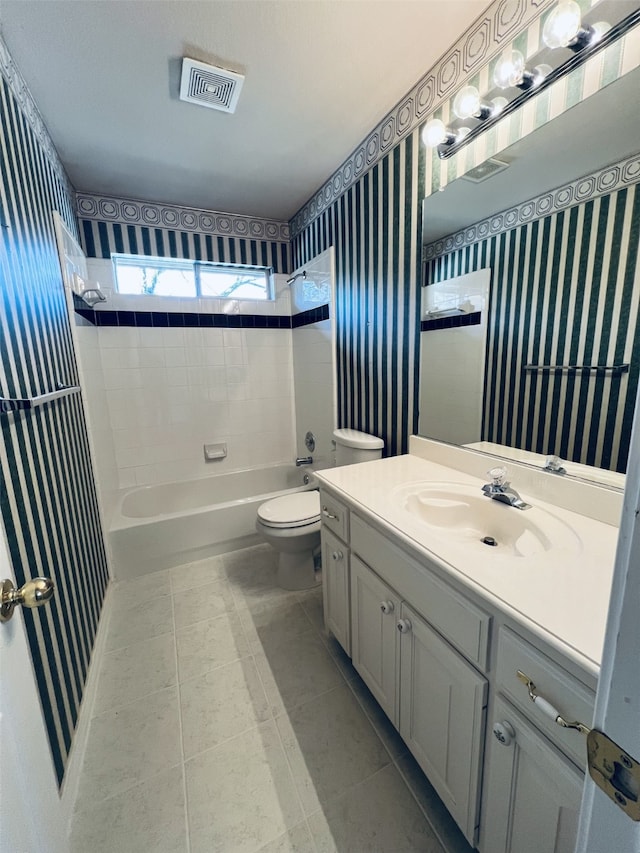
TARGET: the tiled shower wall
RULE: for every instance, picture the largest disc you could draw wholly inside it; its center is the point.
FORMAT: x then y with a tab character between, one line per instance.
48	498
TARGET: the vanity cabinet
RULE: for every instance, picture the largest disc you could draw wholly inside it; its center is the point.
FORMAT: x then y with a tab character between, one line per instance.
533	793
336	592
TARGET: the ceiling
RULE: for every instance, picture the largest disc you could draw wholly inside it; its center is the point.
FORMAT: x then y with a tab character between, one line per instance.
319	75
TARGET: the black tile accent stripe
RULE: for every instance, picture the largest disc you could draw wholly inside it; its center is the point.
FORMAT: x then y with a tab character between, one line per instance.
47	491
178	319
458	321
313	315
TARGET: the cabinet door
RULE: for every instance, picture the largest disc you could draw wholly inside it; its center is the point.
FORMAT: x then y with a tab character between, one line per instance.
336	589
375	647
533	793
442	717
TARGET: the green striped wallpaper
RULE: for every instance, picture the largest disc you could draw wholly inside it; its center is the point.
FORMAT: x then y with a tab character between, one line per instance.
47	491
565	290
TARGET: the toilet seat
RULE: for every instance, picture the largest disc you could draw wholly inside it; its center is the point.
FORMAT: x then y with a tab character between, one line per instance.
297	510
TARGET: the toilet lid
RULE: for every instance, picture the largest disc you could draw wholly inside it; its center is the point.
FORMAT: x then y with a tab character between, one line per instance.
295	510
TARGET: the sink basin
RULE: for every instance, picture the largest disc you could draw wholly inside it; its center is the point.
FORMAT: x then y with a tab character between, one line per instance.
458	513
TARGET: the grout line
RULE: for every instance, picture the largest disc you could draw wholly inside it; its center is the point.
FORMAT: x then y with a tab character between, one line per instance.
179	694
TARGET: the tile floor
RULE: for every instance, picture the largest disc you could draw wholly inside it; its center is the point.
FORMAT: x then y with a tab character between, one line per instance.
227	720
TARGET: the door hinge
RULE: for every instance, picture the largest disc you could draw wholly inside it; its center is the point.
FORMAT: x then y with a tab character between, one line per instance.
615	772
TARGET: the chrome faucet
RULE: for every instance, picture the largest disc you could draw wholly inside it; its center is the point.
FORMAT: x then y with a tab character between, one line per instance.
304	460
554	465
500	490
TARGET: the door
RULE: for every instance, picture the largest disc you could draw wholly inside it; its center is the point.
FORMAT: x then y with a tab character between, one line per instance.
375	610
335	588
442	715
533	792
31	816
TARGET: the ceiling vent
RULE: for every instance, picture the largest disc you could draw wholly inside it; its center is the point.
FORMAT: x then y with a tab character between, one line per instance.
210	86
485	170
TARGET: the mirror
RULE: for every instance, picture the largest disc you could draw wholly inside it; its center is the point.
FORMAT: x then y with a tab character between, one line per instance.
563	296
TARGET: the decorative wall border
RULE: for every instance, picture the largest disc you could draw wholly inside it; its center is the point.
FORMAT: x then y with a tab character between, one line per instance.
20	90
136	212
502	20
598	183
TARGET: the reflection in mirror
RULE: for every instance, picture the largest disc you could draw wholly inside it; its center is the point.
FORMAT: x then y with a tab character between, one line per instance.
558	231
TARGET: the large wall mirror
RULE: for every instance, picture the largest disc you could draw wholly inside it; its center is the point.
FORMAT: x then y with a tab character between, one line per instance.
536	295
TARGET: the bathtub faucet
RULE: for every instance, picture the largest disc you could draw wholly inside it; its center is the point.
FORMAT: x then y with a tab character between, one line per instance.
304	460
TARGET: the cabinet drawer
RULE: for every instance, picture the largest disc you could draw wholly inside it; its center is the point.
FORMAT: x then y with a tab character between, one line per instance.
457	619
334	515
572	698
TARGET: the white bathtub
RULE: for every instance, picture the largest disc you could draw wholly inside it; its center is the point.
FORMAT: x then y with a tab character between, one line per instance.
156	527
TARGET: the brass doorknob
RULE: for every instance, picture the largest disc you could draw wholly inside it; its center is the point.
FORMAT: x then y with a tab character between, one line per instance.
32	594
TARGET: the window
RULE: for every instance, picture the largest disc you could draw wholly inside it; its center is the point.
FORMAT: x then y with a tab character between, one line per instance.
138	274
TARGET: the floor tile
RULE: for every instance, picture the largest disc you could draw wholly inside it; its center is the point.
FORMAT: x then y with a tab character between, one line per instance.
241	794
383	726
443	824
209	644
340	657
143	588
139	620
149	818
313	606
297	840
129	673
221	704
267	622
296	669
377	816
197	574
130	744
203	602
331	746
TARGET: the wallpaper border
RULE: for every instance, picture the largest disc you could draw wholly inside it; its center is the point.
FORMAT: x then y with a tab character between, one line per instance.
20	90
502	20
106	208
599	183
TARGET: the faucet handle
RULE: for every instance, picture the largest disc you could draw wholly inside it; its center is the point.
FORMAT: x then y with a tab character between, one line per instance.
498	475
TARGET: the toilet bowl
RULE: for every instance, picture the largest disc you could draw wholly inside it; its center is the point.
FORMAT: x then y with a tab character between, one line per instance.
291	525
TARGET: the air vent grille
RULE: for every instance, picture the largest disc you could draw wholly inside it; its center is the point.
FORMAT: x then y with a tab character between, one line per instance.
210	86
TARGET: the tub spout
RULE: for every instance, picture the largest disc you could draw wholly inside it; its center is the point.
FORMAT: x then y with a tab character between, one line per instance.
304	460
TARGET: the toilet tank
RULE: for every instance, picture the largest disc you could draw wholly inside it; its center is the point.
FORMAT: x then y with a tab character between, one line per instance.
355	446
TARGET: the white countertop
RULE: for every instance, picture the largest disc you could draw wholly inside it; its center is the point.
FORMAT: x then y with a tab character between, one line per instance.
561	595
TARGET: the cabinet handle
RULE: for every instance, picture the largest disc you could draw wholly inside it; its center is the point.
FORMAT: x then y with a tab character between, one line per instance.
327	514
337	555
387	607
504	732
404	626
548	709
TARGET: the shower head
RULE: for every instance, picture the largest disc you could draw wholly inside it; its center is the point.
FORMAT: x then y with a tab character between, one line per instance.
298	275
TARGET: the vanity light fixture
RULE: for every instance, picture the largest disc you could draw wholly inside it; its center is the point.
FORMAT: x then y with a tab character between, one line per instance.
563	28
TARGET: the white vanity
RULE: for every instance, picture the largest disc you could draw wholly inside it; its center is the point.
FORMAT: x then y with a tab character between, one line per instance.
438	623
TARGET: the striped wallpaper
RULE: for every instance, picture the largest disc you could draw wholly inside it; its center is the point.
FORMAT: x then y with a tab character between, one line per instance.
48	498
565	290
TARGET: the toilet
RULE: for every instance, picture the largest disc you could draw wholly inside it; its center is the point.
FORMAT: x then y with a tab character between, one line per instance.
291	523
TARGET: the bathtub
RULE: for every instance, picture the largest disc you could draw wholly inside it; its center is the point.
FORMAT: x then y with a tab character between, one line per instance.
157	527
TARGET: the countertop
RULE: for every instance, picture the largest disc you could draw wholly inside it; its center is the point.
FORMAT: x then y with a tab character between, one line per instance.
561	595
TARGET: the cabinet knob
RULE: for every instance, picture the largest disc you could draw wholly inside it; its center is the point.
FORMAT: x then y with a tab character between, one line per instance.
504	732
387	607
337	555
404	626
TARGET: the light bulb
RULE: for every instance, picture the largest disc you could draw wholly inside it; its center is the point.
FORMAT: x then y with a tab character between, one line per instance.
509	70
434	133
497	105
467	102
563	24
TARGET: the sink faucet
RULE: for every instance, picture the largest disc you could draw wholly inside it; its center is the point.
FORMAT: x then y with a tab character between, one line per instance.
500	490
554	465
